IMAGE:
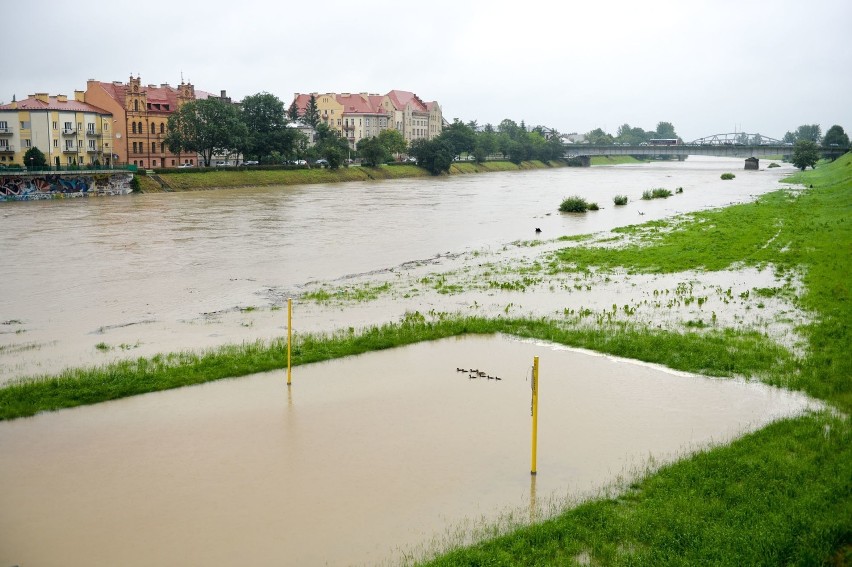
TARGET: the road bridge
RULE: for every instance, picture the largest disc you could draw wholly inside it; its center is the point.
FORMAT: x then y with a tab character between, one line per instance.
737	144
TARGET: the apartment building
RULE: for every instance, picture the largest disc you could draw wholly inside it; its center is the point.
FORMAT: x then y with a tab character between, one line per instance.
362	115
69	132
141	114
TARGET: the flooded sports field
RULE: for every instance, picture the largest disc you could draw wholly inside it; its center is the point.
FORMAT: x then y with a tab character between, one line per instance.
367	460
362	461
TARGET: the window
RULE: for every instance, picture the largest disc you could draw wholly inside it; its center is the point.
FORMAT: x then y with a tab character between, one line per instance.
91	144
162	128
140	127
25	125
136	108
154	147
55	126
154	163
134	128
4	125
173	162
55	143
134	149
106	126
162	147
28	143
67	126
79	126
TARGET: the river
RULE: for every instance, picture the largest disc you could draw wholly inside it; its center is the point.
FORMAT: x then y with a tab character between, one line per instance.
87	281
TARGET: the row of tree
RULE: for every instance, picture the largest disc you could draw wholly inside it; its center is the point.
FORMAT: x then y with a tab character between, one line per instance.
632	136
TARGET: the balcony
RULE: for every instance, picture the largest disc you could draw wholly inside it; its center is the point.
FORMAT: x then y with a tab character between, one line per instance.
69	131
349	127
93	134
93	150
69	150
7	149
5	130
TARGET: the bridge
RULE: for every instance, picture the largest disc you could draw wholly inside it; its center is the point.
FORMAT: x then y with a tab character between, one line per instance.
737	144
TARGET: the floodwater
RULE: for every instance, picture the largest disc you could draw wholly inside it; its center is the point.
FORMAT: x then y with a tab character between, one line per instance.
362	461
88	281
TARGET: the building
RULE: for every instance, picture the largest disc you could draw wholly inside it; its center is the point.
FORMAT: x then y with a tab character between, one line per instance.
363	115
141	116
69	132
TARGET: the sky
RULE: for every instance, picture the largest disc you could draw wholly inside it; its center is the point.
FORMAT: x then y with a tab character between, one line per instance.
706	66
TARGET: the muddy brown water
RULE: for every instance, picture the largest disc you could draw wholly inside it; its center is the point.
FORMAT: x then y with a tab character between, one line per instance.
362	461
87	281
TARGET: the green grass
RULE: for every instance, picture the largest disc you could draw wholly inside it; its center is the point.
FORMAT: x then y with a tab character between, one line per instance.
576	204
727	176
658	193
223	178
615	160
620	200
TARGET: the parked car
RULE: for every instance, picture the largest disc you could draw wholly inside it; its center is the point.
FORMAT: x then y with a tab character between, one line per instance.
250	162
322	162
181	166
300	162
222	164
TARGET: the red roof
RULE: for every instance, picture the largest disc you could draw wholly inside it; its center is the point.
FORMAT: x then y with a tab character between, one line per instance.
401	99
70	105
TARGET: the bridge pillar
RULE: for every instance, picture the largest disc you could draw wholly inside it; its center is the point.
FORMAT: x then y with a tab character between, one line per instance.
585	161
752	163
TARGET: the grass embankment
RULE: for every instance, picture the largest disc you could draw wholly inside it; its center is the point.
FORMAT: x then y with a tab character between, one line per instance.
615	160
225	178
782	495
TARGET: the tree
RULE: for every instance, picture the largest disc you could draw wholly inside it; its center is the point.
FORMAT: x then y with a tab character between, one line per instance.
293	112
435	155
599	138
810	132
372	151
460	137
393	141
207	127
805	153
666	130
263	115
836	135
311	115
330	145
34	157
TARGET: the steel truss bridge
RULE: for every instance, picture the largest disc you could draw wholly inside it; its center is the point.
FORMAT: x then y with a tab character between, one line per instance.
736	144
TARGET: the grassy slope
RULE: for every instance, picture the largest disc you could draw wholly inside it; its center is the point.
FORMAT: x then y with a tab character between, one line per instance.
194	180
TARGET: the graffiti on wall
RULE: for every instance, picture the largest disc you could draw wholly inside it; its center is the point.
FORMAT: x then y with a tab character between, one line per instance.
55	186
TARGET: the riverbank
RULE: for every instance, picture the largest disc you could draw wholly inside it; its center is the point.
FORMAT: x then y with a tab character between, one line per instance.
229	178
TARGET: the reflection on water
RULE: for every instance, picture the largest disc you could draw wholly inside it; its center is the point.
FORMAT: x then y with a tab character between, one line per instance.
361	458
153	273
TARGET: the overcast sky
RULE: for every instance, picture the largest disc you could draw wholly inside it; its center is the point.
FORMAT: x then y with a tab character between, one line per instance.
707	66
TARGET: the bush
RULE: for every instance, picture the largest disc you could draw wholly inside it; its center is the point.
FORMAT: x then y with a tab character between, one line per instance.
593	207
574	205
134	185
679	190
620	199
727	176
773	164
658	193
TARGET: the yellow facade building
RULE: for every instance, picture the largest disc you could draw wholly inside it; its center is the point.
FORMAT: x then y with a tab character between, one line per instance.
69	132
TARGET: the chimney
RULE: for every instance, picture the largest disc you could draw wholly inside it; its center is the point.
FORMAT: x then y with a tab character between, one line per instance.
222	95
80	96
61	98
43	97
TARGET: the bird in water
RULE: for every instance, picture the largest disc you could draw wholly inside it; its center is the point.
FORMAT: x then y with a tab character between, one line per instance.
538	230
